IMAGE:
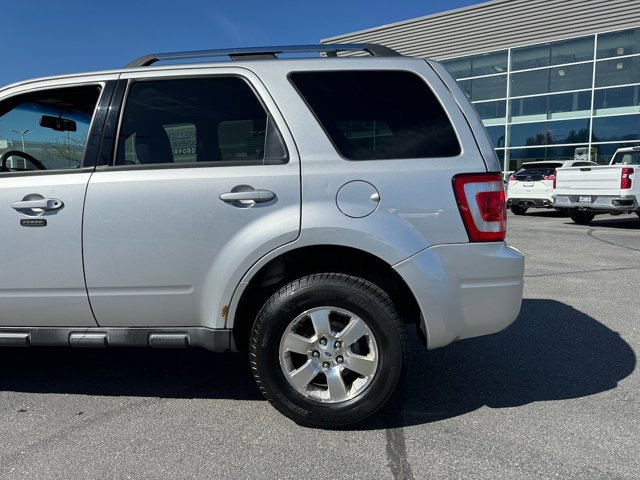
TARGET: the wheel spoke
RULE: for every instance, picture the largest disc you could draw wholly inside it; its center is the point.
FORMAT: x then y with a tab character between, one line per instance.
297	343
301	377
320	320
353	332
365	366
336	386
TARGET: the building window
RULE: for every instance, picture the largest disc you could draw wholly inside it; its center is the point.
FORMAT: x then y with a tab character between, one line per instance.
492	110
549	54
549	133
550	107
617	128
548	80
619	71
489	88
616	44
611	101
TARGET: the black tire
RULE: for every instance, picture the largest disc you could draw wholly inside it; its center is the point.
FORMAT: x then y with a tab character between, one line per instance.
287	314
518	210
581	217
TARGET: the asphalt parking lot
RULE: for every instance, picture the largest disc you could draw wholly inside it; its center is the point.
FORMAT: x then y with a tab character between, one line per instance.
556	395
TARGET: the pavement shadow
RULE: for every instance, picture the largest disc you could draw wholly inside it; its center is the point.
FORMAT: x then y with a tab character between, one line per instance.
625	222
134	372
551	352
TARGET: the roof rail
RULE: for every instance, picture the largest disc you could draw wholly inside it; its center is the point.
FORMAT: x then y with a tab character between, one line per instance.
258	53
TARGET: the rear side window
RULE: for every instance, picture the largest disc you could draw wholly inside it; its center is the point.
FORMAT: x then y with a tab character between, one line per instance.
627	158
370	115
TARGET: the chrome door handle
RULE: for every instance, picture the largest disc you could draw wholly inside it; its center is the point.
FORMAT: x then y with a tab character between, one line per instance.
46	204
257	196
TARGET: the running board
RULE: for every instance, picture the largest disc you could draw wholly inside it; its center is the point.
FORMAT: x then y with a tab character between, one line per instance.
214	340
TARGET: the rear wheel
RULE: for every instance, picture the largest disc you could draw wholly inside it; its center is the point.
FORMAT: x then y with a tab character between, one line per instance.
518	210
328	350
581	217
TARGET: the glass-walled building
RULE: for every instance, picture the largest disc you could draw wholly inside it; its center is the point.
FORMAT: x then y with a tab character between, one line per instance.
551	79
557	99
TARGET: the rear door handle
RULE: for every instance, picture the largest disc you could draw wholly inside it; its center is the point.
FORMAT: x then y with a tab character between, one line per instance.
46	204
257	196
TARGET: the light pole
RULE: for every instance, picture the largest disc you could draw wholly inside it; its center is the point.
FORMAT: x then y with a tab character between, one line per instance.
22	134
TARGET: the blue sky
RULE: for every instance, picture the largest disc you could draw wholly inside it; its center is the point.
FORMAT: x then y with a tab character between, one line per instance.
45	37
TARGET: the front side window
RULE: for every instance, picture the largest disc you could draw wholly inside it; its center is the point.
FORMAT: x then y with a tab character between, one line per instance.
370	115
187	121
47	129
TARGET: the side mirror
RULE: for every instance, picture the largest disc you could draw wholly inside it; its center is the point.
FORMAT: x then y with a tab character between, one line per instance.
59	124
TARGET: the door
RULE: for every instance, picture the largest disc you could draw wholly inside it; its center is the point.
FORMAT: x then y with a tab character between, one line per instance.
202	184
46	162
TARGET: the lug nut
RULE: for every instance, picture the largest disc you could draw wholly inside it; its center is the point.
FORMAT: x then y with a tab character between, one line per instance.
323	341
315	354
326	365
339	359
337	345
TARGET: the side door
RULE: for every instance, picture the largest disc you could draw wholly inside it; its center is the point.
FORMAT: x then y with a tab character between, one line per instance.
204	180
49	134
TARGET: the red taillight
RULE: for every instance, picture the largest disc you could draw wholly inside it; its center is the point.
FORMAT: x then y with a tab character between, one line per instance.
625	181
551	177
512	178
482	206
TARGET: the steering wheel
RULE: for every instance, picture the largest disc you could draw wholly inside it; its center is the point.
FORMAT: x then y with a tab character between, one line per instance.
18	153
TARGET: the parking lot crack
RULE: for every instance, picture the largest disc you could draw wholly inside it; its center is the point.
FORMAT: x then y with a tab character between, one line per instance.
591	234
576	272
397	451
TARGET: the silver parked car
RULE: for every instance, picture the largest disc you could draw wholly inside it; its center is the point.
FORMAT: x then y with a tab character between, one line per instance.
310	210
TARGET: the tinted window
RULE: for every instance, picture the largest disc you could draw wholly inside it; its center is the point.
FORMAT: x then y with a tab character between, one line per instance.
458	67
378	114
616	128
491	110
557	79
197	120
50	126
619	43
549	133
488	88
555	53
619	71
617	100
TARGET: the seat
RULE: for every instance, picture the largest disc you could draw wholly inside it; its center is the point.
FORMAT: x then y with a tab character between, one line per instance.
152	145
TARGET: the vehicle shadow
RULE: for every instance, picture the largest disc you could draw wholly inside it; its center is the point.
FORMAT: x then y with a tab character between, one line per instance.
626	222
132	372
542	212
551	352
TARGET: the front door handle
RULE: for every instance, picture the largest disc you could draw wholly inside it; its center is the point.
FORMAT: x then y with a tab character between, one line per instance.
257	196
46	204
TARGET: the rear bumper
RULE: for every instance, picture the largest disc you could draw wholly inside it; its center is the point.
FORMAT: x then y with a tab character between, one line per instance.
465	290
597	202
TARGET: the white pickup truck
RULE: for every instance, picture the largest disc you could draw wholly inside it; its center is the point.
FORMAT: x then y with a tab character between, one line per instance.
587	191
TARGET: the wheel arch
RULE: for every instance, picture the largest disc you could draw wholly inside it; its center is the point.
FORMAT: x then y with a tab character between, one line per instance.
307	260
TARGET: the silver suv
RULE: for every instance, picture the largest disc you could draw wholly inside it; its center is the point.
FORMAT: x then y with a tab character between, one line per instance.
310	210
